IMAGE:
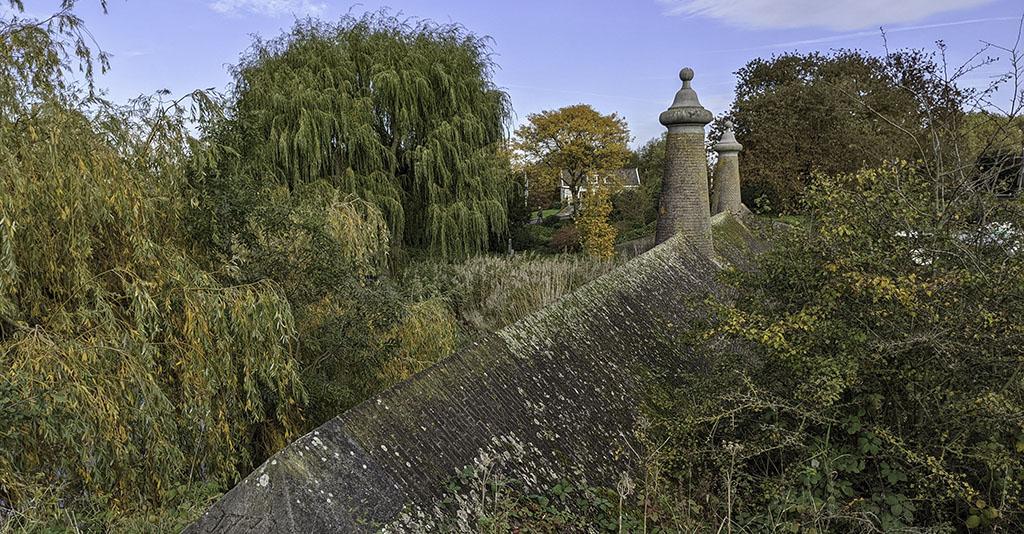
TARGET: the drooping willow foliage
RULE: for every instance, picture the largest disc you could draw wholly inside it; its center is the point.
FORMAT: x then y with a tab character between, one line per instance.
126	371
402	114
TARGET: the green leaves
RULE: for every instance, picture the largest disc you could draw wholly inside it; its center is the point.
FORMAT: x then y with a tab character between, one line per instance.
800	115
879	378
127	369
403	116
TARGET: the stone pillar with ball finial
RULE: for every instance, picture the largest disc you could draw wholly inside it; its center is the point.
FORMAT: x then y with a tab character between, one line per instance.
684	206
726	184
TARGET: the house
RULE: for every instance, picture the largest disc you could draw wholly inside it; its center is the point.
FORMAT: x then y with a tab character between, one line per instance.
626	178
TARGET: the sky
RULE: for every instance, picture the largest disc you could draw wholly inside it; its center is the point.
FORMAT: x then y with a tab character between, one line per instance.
617	55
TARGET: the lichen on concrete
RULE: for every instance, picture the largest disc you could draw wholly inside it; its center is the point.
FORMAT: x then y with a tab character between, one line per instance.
554	396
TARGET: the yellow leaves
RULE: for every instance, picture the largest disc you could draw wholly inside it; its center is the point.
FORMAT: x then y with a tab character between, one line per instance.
576	139
903	290
359	230
426	334
596	233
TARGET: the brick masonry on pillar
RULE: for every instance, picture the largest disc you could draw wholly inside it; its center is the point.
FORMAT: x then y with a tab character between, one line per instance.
726	195
684	206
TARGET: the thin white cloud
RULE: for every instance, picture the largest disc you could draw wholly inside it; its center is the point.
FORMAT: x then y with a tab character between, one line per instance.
269	8
841	15
867	33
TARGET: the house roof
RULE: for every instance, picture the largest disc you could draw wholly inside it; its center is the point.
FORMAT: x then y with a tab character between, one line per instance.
629	177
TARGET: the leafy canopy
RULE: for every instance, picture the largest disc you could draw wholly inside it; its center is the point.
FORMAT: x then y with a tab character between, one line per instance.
799	115
401	114
127	371
577	140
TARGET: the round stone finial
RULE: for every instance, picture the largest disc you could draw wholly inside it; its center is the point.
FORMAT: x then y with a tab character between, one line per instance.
728	125
686	109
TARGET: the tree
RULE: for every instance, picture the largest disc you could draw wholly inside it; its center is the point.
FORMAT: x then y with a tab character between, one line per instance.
543	191
636	211
130	374
596	234
575	143
402	115
802	114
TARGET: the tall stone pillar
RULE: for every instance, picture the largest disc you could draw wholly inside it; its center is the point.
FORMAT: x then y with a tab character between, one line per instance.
726	195
684	189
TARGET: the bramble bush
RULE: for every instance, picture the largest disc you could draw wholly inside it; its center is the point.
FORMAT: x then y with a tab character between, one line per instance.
878	384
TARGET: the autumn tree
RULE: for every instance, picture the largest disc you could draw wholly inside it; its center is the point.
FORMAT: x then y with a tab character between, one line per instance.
596	233
574	143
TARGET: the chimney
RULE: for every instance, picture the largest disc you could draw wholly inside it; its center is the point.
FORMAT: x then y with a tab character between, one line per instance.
684	188
726	196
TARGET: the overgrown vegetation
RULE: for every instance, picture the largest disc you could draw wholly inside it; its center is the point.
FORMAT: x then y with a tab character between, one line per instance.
131	374
878	385
174	309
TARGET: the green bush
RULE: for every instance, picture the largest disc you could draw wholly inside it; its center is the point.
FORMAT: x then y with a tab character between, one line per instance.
532	237
871	374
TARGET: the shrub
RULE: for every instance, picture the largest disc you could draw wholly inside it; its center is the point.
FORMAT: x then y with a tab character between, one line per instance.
532	237
878	383
552	221
596	234
565	239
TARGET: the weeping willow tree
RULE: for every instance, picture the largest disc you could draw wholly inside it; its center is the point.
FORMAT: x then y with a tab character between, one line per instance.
402	114
127	373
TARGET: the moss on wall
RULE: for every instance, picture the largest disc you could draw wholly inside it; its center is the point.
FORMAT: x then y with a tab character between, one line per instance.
552	396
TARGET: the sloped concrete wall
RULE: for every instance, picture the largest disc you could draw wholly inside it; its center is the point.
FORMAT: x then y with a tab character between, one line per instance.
554	396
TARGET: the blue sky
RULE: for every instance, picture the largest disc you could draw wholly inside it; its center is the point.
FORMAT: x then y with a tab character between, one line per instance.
617	55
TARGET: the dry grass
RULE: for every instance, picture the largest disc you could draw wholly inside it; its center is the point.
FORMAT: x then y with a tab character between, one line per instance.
494	291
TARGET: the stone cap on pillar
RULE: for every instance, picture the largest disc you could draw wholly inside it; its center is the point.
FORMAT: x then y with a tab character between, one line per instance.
728	143
686	109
